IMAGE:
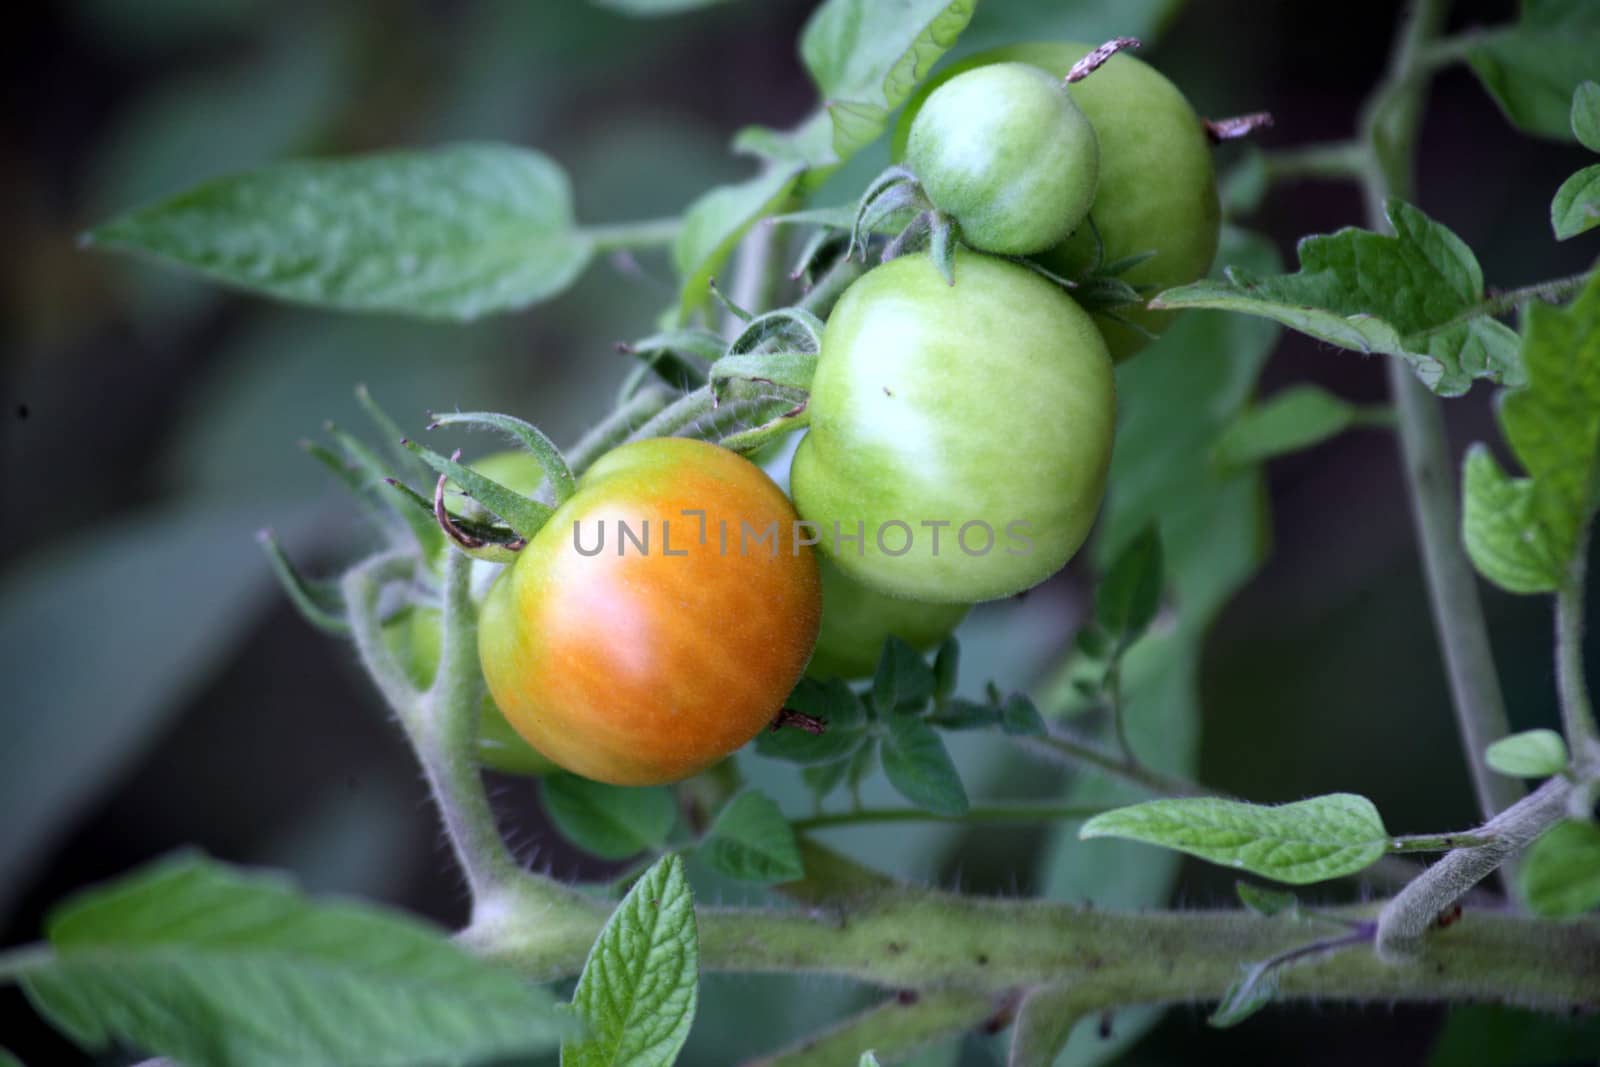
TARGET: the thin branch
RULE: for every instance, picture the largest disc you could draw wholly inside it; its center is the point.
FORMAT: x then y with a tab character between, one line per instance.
1439	842
1069	751
1019	812
646	233
1406	918
618	426
1577	710
1336	161
1389	125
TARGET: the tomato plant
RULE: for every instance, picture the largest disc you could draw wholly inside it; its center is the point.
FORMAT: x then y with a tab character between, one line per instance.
857	619
960	434
633	645
1157	191
626	612
1005	151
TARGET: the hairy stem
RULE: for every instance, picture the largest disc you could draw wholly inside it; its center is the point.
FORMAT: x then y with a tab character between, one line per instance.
1577	711
1339	161
1406	918
1438	842
893	1029
617	427
1069	751
909	938
1390	125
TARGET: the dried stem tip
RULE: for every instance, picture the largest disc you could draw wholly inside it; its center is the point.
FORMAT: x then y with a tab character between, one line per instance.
1231	129
1096	59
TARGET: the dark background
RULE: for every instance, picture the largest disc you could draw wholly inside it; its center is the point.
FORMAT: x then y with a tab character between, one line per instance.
148	425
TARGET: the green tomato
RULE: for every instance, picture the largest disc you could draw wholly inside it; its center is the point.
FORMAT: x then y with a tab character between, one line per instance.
414	635
959	434
1006	153
856	620
1158	186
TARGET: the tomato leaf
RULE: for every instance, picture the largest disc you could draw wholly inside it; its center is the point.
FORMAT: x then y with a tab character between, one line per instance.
640	985
1296	418
1307	841
1532	68
715	222
1586	115
1576	207
865	57
1523	533
191	959
946	667
610	821
1560	875
836	705
920	768
1130	593
452	233
752	841
1417	295
1019	716
903	679
1529	754
1268	902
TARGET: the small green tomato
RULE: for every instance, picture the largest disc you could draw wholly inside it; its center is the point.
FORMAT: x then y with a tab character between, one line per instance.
1006	153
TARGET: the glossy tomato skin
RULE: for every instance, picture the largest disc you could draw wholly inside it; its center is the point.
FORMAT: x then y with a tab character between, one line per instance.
856	620
1157	188
641	666
1005	151
986	406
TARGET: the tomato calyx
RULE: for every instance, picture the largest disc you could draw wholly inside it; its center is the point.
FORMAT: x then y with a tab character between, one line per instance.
479	545
1097	58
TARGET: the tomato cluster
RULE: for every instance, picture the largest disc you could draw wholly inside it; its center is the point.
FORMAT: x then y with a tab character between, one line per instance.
961	418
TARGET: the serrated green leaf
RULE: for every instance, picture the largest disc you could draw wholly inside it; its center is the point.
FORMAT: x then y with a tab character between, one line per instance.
1307	841
452	233
205	964
1586	115
960	714
1532	69
1560	875
1297	418
919	767
640	985
1268	902
610	821
1522	533
903	679
1018	716
1413	295
1576	207
1249	993
834	703
1130	593
713	225
1530	754
865	57
824	778
752	841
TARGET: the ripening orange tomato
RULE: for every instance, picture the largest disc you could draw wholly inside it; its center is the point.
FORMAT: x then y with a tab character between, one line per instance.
660	618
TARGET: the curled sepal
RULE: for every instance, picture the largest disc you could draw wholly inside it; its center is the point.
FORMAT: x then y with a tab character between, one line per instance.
895	190
521	514
405	464
556	472
368	478
793	370
319	603
472	545
681	358
786	329
480	540
821	251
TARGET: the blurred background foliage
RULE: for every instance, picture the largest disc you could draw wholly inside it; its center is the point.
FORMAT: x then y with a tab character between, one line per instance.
161	692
